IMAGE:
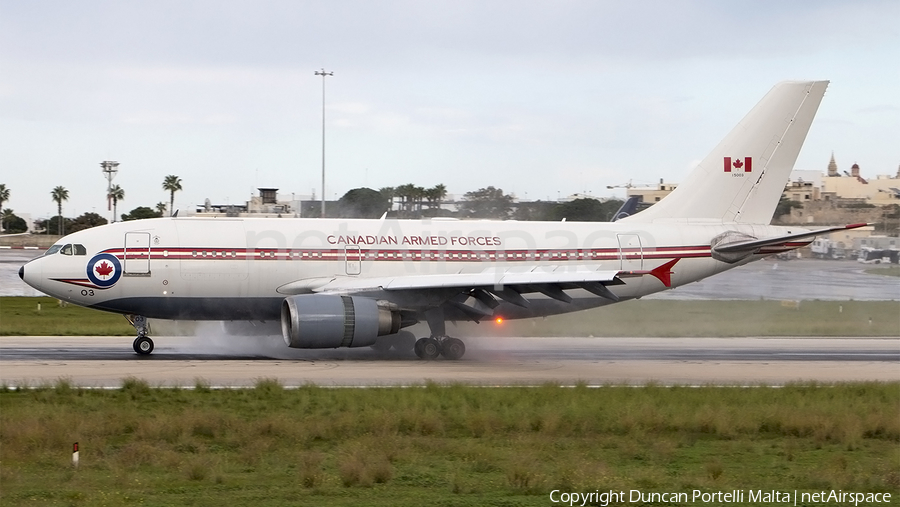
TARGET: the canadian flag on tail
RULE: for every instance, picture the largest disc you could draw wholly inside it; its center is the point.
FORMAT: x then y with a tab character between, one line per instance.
737	164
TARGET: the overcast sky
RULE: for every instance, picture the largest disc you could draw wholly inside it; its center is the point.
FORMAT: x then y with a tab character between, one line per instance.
538	98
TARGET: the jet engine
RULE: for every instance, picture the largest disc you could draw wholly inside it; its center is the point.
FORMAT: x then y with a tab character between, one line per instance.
321	321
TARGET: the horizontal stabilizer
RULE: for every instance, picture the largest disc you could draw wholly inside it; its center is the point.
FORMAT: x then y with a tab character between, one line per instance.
752	245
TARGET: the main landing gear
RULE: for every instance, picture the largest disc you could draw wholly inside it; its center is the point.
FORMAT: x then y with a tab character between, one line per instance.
439	344
432	347
143	345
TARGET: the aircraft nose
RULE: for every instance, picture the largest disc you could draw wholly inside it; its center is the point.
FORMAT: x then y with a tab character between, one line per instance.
33	276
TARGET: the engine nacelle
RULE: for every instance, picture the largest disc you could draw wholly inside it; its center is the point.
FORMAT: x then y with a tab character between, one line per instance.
322	321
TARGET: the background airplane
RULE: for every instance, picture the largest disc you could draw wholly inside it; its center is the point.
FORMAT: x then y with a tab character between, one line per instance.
345	283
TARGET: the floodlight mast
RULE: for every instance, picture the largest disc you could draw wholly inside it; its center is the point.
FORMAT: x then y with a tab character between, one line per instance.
323	73
110	168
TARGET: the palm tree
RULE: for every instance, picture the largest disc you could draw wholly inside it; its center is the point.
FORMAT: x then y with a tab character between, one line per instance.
6	215
405	193
160	208
418	193
60	194
440	193
116	194
435	195
387	193
172	183
4	196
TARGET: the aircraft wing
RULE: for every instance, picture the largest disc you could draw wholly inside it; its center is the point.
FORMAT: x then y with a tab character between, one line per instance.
446	280
505	284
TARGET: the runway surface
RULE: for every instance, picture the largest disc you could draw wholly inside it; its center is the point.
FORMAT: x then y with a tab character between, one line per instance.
240	361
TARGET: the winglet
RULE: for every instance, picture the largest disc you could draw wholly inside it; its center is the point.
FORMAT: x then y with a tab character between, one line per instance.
664	272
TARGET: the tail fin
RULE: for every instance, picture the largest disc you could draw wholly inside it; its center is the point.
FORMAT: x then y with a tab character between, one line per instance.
628	208
743	178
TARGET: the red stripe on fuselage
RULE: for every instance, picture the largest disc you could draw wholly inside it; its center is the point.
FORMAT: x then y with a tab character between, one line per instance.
333	254
81	282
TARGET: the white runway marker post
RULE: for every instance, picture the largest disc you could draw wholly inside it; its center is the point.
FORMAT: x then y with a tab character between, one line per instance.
75	455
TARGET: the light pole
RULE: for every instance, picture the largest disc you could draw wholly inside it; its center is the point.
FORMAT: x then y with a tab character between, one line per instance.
110	168
323	74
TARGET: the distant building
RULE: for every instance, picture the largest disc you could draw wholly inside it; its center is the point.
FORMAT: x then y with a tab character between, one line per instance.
802	190
836	196
265	205
578	195
650	194
876	242
881	190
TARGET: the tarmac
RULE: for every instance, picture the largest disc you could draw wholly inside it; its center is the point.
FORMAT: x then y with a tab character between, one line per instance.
239	361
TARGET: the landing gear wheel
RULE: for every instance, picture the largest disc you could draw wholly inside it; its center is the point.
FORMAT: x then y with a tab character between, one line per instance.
143	345
428	348
453	348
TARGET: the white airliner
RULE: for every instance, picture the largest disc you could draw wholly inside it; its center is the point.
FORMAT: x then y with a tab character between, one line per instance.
345	283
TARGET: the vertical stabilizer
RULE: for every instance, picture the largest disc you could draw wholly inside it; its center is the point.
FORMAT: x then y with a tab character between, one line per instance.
743	178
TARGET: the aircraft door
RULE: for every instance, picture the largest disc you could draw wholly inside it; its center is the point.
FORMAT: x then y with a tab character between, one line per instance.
137	254
631	253
352	260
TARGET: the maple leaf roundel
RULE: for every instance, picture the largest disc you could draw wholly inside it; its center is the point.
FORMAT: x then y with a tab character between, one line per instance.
104	270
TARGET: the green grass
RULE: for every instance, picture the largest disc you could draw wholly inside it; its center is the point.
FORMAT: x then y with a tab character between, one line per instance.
661	318
19	317
888	271
438	445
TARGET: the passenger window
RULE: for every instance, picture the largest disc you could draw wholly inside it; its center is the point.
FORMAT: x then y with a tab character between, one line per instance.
66	250
80	250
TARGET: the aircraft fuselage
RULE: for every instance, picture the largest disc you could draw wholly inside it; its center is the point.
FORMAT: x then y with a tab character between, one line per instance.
233	269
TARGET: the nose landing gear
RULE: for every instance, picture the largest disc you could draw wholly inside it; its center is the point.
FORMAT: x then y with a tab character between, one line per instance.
143	345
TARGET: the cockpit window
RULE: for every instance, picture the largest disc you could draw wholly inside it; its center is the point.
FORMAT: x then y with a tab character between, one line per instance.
80	250
53	249
66	250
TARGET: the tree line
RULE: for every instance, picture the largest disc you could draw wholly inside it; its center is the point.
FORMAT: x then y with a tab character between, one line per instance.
412	201
484	203
11	223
